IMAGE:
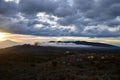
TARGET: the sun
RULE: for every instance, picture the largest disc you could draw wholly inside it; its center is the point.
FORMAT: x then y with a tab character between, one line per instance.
2	36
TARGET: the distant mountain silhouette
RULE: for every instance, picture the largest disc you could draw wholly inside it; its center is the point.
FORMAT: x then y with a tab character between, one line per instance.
80	44
92	44
8	43
33	49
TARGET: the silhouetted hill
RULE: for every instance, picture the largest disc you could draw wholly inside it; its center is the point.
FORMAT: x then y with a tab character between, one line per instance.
30	49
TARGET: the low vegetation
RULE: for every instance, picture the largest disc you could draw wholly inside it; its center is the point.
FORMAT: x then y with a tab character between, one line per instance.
28	62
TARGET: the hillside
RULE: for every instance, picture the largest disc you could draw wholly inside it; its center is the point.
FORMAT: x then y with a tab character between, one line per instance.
27	62
27	49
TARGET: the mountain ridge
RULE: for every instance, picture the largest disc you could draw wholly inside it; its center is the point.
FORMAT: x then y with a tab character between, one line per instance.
93	44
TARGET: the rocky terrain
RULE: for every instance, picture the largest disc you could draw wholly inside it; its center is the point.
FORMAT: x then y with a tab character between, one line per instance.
28	62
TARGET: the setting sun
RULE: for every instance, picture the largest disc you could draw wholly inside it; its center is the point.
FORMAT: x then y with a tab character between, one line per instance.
2	36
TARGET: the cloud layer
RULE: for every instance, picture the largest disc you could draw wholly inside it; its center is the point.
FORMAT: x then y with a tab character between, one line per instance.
92	18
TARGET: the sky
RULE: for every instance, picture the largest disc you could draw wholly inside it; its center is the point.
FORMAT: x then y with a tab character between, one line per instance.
42	20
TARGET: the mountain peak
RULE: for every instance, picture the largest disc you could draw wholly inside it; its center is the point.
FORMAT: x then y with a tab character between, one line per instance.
8	43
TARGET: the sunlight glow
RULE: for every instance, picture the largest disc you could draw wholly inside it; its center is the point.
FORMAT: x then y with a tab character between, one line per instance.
2	36
32	39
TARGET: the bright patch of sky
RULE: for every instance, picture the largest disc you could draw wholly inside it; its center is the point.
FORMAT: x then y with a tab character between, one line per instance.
52	21
16	1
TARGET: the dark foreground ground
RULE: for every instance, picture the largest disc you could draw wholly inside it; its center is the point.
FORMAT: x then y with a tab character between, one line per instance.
49	63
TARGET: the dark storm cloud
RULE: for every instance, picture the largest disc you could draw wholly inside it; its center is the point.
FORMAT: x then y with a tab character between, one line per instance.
58	7
83	5
8	8
93	18
35	6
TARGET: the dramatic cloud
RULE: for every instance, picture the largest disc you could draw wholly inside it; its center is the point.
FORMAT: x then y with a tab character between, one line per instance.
8	8
92	18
